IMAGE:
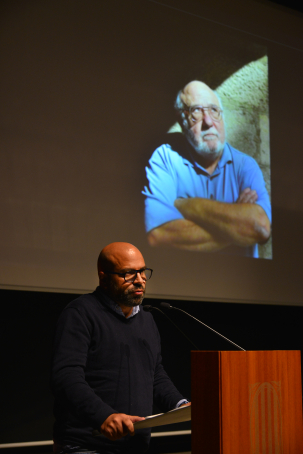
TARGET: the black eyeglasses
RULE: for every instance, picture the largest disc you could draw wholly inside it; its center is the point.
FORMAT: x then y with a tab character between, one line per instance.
131	275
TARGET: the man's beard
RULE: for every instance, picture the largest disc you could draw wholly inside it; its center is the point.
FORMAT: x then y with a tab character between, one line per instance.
204	148
127	298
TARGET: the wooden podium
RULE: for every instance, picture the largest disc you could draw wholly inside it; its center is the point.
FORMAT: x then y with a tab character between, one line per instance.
246	402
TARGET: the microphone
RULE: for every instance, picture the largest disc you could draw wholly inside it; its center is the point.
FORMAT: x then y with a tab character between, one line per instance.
169	306
149	308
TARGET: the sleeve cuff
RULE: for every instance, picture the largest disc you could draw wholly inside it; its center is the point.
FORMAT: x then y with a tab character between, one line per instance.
181	402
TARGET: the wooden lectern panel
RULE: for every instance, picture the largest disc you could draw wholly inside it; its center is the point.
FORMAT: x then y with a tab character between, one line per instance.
247	402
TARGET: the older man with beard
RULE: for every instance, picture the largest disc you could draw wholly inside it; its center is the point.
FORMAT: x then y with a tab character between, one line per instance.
107	368
203	194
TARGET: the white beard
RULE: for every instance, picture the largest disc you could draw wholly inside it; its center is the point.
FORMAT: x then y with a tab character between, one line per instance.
203	148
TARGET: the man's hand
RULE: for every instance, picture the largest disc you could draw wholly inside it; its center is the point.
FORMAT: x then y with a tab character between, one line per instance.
118	425
247	196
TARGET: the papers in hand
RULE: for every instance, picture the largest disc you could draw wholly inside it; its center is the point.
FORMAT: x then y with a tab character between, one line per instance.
180	414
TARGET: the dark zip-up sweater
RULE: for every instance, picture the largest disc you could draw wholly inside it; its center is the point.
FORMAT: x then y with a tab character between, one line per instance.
104	363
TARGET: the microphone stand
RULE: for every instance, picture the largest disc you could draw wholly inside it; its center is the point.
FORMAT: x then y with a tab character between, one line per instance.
168	306
149	308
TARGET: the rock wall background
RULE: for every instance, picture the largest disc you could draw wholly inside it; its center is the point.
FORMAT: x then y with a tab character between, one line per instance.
245	101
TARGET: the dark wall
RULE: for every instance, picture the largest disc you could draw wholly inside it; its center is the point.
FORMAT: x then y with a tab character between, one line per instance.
27	325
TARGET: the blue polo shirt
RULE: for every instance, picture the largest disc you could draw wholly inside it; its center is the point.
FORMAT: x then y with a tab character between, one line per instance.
172	175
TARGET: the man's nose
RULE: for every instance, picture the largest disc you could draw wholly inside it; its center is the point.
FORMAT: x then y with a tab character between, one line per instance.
207	121
139	278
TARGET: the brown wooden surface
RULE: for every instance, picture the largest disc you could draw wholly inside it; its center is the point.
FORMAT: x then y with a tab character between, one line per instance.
247	402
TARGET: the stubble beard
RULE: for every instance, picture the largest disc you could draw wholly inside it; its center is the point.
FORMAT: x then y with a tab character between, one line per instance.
127	298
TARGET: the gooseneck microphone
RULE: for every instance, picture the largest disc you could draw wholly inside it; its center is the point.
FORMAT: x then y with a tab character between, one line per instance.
168	306
149	308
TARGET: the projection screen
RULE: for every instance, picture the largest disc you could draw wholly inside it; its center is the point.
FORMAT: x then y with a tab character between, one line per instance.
88	92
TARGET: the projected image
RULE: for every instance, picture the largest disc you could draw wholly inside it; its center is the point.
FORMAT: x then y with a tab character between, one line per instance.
76	142
206	188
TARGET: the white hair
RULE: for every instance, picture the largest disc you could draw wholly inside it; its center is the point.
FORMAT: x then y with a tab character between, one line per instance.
179	106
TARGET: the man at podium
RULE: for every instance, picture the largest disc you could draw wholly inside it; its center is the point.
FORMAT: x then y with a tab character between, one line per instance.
107	368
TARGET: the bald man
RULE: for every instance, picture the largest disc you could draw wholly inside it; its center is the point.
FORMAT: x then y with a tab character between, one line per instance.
203	194
107	366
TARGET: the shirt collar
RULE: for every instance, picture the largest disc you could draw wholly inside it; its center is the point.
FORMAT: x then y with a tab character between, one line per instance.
226	156
114	306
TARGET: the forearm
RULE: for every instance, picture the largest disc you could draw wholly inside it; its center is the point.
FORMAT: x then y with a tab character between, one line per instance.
166	395
242	224
186	235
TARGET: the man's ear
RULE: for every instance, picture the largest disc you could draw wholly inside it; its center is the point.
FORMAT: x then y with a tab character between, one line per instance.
102	279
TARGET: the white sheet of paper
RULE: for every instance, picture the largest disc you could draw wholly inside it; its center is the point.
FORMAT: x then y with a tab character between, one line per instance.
180	414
